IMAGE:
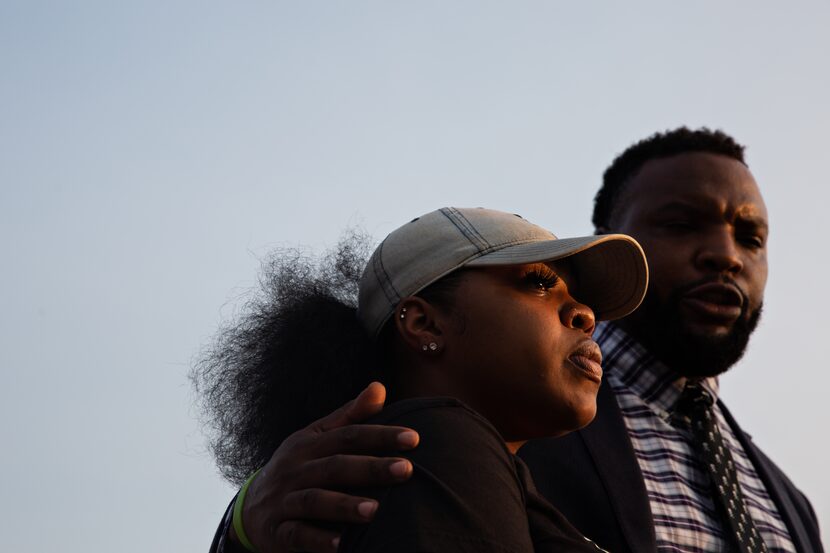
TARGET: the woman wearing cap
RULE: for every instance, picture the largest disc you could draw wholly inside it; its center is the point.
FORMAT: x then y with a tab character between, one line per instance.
479	323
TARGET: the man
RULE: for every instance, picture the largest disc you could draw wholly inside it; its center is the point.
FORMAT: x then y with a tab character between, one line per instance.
664	466
693	205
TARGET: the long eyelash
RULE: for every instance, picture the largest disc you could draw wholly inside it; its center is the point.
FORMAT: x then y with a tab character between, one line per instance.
544	276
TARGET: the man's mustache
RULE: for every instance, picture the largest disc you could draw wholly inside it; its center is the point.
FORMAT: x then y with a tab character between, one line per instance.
720	279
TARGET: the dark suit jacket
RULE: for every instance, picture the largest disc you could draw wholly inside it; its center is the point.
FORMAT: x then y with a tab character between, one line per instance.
593	478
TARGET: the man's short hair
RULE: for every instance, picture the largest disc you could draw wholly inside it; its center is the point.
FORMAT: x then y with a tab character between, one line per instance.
659	145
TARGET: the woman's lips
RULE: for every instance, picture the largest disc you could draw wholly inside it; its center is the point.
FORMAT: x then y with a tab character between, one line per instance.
587	357
717	301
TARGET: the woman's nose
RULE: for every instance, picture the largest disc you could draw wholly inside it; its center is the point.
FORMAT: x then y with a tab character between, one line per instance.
579	316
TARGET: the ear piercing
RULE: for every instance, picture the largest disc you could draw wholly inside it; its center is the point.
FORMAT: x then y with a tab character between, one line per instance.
432	346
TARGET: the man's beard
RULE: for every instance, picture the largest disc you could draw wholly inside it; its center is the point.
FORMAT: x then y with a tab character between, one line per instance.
660	327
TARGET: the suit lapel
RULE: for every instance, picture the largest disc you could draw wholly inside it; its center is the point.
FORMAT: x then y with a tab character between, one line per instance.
775	486
607	441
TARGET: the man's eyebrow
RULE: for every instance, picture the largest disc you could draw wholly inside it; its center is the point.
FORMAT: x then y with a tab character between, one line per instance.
742	215
754	220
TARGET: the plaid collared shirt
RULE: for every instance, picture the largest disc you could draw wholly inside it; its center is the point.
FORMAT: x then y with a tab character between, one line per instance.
685	515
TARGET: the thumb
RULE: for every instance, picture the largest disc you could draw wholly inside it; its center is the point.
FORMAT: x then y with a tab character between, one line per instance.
369	402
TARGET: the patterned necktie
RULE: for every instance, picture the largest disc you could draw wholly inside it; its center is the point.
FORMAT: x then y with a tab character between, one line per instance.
694	409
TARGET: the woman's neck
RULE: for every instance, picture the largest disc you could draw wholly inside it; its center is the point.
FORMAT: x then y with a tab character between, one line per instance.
424	386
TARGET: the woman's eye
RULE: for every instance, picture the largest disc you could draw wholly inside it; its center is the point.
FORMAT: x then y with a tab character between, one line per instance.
542	282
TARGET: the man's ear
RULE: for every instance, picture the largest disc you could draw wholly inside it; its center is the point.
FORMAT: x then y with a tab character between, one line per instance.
420	325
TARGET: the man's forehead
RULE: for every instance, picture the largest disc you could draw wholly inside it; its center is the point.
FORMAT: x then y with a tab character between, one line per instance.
696	180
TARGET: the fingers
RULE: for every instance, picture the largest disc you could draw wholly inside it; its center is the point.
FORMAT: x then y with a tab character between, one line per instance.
369	402
338	433
294	535
361	439
328	506
351	471
294	487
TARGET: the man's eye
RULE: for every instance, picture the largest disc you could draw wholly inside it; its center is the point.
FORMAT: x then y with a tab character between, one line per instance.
751	241
678	225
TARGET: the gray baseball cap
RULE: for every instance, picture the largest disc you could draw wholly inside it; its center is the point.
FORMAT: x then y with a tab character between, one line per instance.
612	269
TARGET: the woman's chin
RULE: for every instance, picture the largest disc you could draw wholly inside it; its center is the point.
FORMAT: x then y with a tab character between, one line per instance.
566	422
582	415
587	415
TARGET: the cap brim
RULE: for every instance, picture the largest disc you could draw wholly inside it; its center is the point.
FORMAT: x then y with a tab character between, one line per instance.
611	269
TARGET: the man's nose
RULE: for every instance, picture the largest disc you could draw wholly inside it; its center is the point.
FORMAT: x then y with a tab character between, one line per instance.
579	316
719	252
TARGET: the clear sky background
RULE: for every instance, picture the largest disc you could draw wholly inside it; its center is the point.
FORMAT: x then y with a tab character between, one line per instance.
153	153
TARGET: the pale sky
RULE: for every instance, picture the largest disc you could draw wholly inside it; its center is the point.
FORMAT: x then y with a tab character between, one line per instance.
152	153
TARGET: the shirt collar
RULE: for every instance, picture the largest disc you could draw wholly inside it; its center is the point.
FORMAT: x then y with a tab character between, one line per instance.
633	367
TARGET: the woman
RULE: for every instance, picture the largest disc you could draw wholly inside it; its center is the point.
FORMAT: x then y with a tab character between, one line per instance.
471	318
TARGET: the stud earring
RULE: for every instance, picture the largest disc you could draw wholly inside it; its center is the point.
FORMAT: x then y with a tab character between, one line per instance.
433	346
403	312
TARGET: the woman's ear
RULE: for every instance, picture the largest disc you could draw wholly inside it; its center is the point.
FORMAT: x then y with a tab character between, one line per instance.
420	325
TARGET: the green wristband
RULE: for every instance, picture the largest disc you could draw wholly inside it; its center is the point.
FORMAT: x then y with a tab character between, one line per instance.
237	514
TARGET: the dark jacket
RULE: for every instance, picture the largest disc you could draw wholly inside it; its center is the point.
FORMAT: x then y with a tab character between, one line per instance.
593	478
